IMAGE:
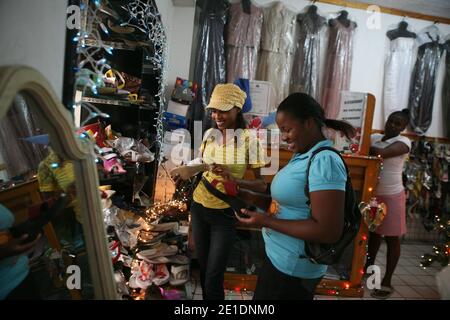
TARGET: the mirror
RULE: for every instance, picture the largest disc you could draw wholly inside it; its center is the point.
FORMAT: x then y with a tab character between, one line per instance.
48	187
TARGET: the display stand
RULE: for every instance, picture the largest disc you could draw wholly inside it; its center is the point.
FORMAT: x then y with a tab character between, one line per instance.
132	117
364	171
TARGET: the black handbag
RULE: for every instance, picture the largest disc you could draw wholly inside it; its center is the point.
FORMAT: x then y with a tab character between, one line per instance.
325	253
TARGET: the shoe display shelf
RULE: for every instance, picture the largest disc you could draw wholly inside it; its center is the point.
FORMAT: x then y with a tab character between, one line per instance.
149	262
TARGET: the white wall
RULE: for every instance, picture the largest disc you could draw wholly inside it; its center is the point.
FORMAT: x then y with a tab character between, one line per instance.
33	33
369	54
165	8
180	43
179	24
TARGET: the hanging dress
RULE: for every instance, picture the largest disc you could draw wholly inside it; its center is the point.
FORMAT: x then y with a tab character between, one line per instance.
338	67
305	68
243	36
446	89
423	81
277	49
210	58
397	75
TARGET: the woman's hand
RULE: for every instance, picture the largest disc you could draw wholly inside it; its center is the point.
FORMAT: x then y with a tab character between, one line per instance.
254	219
222	171
16	246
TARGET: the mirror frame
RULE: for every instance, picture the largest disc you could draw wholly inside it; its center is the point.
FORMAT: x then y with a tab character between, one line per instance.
56	120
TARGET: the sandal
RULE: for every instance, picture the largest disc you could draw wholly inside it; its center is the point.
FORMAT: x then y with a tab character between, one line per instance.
142	199
113	166
149	237
119	29
163	250
168	226
161	275
143	278
131	155
179	275
383	293
176	259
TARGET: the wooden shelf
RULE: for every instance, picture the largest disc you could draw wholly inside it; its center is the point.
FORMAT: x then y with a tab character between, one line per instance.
114	45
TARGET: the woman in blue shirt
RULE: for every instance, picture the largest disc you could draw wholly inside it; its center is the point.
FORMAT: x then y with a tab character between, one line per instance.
15	280
287	273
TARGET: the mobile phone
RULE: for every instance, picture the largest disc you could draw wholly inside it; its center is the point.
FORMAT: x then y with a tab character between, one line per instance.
246	216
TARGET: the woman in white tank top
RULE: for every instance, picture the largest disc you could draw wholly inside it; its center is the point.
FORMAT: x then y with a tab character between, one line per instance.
394	149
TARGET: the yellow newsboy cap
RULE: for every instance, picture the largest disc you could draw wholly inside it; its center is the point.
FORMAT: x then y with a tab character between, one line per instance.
227	96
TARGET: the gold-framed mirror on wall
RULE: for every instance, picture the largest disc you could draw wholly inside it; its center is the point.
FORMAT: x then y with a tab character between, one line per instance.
48	173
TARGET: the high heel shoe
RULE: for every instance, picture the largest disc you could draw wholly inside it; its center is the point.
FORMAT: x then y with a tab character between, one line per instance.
119	29
113	166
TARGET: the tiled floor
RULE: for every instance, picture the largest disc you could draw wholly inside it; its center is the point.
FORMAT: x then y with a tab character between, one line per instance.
410	281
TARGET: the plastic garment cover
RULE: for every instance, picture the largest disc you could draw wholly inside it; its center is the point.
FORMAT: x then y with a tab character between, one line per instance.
210	57
243	39
277	49
423	79
446	88
305	68
338	66
397	74
20	156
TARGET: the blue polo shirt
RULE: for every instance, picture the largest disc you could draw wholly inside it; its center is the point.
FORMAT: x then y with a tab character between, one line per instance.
13	270
327	172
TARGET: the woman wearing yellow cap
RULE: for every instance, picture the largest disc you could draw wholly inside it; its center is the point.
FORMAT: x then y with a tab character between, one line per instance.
231	149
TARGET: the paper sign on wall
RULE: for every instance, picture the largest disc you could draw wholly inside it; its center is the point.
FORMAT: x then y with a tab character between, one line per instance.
353	107
260	93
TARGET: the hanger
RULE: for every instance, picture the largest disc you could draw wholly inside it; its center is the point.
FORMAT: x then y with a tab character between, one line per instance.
246	6
312	8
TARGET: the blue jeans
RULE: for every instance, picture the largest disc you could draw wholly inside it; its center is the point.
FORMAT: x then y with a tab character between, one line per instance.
214	235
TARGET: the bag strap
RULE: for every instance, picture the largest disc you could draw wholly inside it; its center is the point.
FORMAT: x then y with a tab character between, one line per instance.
315	152
234	202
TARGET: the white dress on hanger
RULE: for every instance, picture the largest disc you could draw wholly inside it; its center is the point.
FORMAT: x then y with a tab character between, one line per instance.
397	75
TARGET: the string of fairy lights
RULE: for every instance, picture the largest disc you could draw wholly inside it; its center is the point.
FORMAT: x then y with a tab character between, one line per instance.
93	59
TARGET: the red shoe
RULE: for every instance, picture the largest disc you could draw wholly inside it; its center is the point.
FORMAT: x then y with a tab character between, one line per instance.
231	187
